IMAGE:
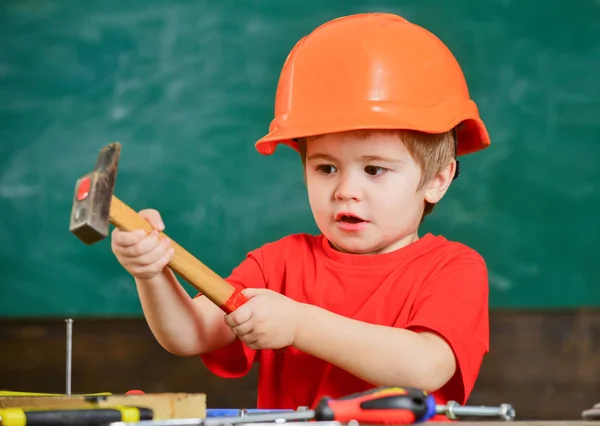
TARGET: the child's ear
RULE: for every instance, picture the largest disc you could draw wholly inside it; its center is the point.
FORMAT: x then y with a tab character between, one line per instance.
437	187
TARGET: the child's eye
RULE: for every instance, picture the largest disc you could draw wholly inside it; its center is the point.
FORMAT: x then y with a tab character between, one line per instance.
326	169
374	170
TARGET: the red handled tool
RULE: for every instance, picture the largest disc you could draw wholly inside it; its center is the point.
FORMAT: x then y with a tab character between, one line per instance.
384	405
400	406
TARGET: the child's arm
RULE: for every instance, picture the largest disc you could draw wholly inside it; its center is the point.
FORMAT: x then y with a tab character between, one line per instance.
377	354
182	325
383	356
447	333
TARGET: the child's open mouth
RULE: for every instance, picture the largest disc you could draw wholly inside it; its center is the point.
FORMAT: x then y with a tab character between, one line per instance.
350	219
350	222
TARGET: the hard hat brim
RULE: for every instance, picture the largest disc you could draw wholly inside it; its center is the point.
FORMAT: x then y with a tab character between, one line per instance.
461	113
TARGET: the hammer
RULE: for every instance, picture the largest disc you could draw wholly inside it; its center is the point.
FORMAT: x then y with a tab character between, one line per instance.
95	206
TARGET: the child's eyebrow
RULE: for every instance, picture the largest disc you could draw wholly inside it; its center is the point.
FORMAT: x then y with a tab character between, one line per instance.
321	156
328	157
380	158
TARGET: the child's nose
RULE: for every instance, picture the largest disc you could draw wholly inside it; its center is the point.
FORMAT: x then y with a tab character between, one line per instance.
348	189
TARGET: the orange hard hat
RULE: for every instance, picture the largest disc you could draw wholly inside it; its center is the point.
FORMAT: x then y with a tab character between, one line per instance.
372	71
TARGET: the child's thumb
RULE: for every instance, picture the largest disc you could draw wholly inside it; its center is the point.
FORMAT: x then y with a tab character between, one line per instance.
251	292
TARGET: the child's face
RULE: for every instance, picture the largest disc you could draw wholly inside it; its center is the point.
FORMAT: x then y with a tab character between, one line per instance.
363	193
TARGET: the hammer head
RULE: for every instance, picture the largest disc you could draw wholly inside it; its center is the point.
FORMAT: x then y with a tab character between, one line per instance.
90	215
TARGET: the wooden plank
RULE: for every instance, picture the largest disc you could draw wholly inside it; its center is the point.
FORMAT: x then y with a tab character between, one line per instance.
164	406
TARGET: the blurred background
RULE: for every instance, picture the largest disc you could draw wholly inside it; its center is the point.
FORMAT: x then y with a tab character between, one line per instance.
187	87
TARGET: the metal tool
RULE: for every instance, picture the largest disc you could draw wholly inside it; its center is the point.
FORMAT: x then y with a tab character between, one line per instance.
247	412
231	416
276	417
69	354
453	411
95	207
312	423
224	421
592	413
271	418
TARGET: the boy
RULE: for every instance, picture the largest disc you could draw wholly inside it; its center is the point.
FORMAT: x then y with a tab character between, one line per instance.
378	109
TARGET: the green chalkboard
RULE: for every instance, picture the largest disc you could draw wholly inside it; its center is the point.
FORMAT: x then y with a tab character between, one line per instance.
188	86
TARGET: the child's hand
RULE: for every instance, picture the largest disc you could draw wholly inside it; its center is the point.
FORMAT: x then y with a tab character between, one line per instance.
143	256
267	321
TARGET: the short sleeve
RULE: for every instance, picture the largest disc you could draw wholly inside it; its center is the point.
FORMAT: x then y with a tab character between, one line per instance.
454	304
236	359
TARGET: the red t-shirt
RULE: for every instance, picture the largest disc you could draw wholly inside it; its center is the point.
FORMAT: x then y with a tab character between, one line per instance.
431	284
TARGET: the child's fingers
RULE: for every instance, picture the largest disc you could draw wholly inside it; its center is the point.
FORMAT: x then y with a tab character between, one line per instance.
243	329
153	252
144	247
251	341
153	217
239	316
127	239
152	263
166	258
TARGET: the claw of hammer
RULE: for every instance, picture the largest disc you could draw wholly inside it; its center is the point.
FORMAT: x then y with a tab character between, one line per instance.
95	208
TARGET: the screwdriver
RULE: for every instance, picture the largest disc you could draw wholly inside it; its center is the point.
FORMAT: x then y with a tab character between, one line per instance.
400	405
384	405
380	405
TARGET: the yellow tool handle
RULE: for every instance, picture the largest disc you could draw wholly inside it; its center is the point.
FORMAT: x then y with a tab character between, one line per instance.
183	263
72	416
18	393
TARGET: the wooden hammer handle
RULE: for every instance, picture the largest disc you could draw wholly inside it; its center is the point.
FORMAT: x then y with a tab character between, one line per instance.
183	263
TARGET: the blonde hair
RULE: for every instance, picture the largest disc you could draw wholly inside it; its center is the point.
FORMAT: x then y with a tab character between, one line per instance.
432	151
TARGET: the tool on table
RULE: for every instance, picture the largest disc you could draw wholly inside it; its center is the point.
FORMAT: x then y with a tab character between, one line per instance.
69	354
591	413
453	411
15	416
226	421
251	422
95	207
245	412
376	406
381	405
